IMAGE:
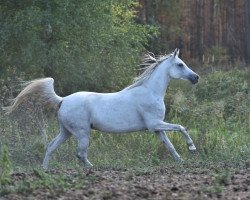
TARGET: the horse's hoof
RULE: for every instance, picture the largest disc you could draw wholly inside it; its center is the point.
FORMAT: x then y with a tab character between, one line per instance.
88	165
179	160
192	149
45	168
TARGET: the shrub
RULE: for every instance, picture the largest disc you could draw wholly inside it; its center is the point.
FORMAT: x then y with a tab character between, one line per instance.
5	167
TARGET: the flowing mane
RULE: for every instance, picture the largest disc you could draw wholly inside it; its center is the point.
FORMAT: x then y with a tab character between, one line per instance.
150	63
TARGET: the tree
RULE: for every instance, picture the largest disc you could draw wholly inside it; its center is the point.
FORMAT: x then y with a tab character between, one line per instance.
247	17
167	15
198	26
84	45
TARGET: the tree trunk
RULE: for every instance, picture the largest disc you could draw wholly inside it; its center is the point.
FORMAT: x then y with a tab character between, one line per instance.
247	21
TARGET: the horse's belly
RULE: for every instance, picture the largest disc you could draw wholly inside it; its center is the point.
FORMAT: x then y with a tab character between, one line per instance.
118	122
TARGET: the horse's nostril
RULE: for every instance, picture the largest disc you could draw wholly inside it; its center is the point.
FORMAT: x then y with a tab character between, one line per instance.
194	78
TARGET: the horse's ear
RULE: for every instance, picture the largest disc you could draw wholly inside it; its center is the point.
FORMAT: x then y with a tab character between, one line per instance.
176	52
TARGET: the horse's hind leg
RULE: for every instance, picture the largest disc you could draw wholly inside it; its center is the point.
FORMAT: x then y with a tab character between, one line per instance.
54	144
82	136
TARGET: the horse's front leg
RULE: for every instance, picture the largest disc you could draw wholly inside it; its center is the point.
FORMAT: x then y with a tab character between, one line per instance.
163	126
169	146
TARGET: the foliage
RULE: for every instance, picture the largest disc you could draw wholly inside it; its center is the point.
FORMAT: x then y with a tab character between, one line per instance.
220	95
220	85
167	15
5	167
217	54
84	45
200	26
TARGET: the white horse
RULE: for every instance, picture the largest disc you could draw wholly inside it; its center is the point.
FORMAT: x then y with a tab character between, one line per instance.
139	106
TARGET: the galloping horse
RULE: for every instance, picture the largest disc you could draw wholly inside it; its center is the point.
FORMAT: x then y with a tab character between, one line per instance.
137	107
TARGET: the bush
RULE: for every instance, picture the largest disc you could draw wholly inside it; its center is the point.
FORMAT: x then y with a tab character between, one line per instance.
83	45
217	54
5	167
220	85
217	97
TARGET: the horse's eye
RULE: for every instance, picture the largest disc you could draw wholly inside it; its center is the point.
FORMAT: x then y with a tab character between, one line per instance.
180	65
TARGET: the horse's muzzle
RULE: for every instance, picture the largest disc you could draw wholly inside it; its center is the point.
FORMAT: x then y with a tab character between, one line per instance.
193	78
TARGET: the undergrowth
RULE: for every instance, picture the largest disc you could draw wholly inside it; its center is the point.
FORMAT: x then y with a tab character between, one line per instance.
5	167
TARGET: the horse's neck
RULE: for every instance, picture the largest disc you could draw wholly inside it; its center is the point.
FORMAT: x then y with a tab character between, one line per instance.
158	81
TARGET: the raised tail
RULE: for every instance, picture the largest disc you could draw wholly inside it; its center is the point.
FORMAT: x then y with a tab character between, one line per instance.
42	90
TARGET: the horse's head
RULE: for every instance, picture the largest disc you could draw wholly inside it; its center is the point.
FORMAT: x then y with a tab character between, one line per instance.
179	70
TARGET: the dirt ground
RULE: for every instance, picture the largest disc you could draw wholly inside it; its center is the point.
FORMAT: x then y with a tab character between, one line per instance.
171	182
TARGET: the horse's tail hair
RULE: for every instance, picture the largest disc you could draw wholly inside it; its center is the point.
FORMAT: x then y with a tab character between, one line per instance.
42	90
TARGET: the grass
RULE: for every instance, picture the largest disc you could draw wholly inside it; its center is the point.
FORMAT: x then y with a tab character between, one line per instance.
216	113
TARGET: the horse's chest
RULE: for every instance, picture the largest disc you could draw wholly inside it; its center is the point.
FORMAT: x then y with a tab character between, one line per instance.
156	108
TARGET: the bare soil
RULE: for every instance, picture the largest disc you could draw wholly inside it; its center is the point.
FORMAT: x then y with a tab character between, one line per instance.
188	181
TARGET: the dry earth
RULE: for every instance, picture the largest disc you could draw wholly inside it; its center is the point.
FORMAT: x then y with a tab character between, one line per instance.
171	182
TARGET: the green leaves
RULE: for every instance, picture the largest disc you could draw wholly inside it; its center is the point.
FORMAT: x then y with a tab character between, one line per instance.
5	167
83	45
